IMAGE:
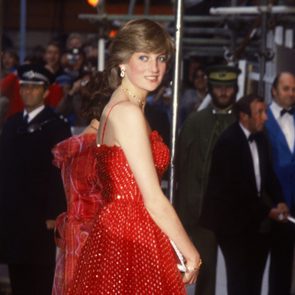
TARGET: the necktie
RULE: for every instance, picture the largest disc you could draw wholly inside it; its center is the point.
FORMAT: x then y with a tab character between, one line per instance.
289	111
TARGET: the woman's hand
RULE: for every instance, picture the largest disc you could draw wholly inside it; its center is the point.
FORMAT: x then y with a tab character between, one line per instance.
192	272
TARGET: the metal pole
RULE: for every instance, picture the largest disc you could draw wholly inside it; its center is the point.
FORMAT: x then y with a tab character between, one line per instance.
229	53
176	92
262	57
22	31
160	18
1	34
101	37
274	9
146	7
101	54
131	7
100	7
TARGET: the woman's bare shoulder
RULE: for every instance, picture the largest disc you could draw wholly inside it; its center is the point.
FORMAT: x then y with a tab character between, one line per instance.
126	112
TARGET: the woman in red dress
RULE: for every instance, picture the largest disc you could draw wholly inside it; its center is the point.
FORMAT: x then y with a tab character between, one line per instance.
128	250
75	157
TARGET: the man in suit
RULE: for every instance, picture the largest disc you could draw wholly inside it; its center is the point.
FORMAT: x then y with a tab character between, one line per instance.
195	144
31	191
281	130
242	194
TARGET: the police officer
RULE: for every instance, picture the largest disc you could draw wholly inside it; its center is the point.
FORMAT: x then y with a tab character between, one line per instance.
31	192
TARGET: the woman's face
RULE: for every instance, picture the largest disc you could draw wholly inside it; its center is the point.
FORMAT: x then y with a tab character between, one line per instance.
146	70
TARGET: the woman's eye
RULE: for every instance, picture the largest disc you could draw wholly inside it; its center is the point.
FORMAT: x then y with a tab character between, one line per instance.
143	58
162	58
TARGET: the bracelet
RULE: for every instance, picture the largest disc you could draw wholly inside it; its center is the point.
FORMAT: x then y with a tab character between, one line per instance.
196	268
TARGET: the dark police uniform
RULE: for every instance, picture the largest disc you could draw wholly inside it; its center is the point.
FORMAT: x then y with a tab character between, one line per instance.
31	193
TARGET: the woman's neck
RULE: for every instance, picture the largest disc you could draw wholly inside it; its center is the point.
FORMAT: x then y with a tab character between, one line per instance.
134	95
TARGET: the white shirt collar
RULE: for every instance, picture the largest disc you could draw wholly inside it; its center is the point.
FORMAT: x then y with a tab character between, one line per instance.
276	110
245	130
34	113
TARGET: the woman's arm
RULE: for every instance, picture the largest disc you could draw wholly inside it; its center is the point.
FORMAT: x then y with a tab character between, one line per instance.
129	129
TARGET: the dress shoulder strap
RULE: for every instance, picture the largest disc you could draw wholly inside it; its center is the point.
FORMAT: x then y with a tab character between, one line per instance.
106	121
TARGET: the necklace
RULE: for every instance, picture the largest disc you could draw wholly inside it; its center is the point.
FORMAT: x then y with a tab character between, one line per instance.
140	101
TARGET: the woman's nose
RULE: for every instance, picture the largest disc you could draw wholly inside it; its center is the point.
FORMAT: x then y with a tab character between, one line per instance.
154	65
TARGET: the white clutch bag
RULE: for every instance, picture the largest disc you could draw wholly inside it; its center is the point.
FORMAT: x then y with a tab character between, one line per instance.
181	263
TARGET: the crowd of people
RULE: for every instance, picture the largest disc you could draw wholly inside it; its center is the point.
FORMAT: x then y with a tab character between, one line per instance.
235	182
71	65
82	155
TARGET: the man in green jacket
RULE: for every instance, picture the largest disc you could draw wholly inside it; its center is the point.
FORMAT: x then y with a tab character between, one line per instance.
193	158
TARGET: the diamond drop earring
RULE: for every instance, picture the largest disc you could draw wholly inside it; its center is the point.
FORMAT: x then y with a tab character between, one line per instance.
122	73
